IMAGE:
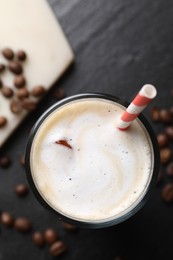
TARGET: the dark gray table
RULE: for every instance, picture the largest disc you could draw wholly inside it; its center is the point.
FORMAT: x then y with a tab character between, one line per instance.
119	45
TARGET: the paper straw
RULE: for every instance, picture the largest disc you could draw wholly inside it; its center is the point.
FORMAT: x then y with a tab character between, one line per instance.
143	98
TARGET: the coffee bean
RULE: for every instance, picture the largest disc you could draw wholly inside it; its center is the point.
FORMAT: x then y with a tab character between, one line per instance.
21	55
3	121
7	219
169	132
23	225
38	239
7	92
50	235
59	94
57	248
5	161
155	115
15	67
160	177
167	193
2	67
22	160
19	81
15	107
21	190
38	91
165	155
28	105
118	258
171	111
162	140
1	84
165	116
169	169
22	93
68	227
8	53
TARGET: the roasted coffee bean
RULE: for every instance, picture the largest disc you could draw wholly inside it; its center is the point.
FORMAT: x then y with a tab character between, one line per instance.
15	107
167	193
7	219
118	258
23	225
171	111
169	132
59	94
7	92
5	161
28	105
165	116
160	177
3	121
155	115
2	67
162	140
21	190
38	239
21	55
19	81
50	235
8	53
22	93
169	169
57	248
68	227
15	67
165	155
1	84
38	91
22	160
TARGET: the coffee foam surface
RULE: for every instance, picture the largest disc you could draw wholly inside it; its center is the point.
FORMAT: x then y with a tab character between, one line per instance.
105	172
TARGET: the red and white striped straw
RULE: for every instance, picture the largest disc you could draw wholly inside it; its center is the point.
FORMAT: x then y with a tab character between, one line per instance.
143	98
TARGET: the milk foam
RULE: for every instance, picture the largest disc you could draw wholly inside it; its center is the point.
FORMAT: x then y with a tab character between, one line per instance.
107	170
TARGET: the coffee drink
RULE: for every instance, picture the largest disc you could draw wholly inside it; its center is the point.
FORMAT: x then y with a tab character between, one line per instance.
87	169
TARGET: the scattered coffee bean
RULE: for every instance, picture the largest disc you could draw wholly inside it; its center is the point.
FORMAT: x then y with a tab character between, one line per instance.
165	155
22	160
118	258
7	92
15	107
1	84
19	81
2	67
8	53
21	55
162	140
3	121
169	132
171	111
21	190
155	115
50	235
169	169
7	219
15	67
38	239
22	93
167	193
5	161
68	227
160	177
23	225
57	248
165	116
59	93
28	105
38	91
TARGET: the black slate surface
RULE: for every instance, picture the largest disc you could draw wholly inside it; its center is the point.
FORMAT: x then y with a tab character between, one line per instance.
119	46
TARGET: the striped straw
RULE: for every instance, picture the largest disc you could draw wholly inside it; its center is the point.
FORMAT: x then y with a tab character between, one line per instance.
143	98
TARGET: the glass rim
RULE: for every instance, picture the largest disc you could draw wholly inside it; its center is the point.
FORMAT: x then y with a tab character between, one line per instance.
94	224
